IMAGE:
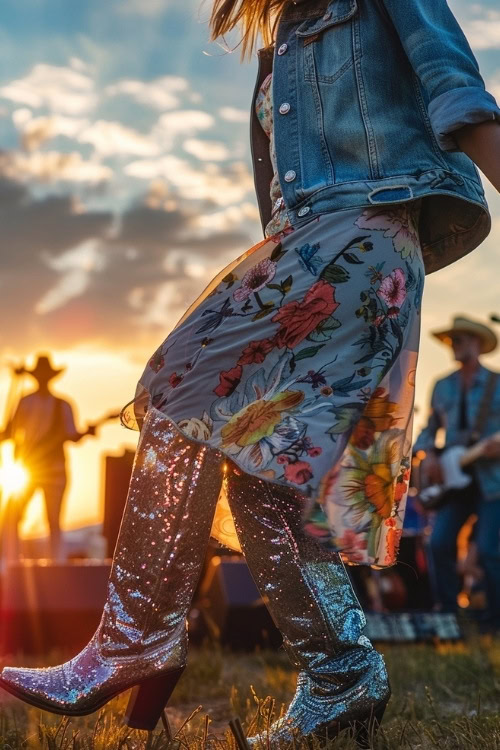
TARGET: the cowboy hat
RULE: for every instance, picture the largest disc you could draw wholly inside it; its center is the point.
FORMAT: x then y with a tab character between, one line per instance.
461	324
43	368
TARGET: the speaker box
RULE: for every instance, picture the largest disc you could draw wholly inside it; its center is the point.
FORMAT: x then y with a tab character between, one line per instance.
47	605
117	473
232	608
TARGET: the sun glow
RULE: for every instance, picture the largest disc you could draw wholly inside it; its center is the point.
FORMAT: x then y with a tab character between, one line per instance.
14	476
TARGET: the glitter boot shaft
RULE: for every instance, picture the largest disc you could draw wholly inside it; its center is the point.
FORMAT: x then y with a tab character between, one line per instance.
142	638
342	679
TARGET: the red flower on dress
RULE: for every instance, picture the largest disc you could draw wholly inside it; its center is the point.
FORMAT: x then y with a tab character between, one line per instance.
255	279
157	361
282	459
392	541
400	491
256	351
392	288
316	450
229	381
299	319
175	379
299	472
363	434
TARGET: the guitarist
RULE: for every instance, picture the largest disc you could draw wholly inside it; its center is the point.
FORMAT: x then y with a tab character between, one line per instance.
466	405
40	426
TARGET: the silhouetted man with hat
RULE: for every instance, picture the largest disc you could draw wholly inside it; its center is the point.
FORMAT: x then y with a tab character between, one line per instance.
40	426
466	405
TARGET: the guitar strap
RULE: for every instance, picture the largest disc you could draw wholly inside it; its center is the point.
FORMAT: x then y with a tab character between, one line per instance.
484	407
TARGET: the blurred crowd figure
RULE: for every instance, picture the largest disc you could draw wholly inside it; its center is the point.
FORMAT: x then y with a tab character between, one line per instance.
466	406
40	426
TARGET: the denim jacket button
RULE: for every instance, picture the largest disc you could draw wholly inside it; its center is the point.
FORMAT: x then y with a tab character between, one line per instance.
282	49
290	175
303	211
284	108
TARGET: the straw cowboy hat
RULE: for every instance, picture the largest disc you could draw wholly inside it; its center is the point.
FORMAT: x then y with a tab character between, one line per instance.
462	324
44	369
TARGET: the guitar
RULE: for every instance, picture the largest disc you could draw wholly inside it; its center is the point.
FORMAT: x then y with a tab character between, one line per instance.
35	455
453	462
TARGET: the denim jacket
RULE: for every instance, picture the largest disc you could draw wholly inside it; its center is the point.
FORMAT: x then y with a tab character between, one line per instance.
445	413
366	97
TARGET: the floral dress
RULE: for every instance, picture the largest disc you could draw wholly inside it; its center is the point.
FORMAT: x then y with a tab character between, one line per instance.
298	363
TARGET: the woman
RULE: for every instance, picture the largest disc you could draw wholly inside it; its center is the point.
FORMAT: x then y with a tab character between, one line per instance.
283	398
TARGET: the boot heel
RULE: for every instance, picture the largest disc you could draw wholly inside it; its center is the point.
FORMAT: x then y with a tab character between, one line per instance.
365	730
148	700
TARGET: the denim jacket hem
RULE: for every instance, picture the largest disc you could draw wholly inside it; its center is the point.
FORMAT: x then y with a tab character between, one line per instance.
455	109
441	246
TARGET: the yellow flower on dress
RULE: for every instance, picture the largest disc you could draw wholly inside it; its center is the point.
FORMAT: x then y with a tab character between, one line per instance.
379	488
380	410
259	419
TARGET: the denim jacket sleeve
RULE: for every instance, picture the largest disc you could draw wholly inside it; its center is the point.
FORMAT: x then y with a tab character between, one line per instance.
426	439
445	64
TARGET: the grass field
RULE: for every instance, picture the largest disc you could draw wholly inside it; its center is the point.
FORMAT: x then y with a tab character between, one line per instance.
445	697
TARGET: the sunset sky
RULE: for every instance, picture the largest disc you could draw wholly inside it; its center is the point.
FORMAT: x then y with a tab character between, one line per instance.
125	185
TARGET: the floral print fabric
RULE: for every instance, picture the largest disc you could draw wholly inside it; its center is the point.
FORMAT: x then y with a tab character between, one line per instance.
298	362
264	108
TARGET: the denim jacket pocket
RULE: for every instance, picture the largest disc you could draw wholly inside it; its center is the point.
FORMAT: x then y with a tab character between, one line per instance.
328	43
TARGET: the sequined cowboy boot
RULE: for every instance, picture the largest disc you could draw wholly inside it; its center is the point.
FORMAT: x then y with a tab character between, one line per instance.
141	641
342	680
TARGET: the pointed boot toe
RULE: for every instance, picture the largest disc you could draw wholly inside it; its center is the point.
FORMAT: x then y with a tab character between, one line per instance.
31	685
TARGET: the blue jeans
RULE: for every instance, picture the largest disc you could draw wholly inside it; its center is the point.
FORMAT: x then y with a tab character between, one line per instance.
443	552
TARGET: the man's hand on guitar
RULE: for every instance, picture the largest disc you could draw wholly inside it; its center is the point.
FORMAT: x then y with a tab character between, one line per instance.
491	448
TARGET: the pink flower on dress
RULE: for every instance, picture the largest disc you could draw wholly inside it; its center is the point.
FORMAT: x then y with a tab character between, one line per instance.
282	459
315	451
299	472
255	279
397	223
353	545
392	289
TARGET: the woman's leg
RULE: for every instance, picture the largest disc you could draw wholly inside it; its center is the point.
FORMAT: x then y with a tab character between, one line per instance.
312	602
142	637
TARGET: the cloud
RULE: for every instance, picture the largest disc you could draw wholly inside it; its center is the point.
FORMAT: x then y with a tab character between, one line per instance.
221	186
161	93
71	276
59	89
76	266
483	32
35	131
181	122
146	8
112	138
493	85
231	114
49	166
206	150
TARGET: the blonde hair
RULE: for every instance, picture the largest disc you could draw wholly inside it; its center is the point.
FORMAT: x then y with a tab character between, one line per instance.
256	18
